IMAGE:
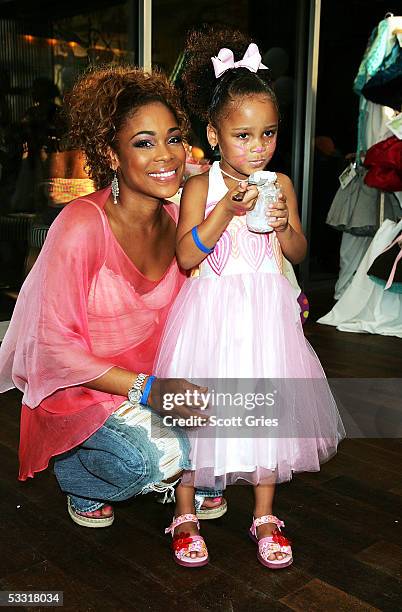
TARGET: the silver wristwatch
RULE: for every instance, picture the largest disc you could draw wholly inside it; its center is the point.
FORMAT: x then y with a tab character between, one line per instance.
135	392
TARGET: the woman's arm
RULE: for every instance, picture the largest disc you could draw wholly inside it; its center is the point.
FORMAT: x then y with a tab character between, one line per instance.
288	227
192	211
115	381
118	381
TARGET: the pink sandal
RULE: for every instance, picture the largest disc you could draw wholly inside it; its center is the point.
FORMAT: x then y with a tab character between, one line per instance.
276	543
184	543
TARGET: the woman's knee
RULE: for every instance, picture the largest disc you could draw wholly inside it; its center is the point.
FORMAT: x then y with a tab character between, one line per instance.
132	460
123	472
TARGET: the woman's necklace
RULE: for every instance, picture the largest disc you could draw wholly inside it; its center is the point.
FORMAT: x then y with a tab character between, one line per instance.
235	178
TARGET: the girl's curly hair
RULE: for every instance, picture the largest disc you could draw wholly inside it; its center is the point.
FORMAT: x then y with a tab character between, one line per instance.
205	94
100	103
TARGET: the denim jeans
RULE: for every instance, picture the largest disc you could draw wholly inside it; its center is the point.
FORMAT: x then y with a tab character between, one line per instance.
115	463
209	492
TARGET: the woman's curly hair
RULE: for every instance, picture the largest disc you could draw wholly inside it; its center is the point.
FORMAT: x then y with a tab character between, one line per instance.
100	103
206	95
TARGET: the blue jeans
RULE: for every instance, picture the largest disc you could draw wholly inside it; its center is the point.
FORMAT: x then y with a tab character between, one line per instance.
209	492
115	463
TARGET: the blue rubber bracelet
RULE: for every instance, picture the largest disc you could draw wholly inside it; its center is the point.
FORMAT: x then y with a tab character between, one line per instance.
196	238
147	390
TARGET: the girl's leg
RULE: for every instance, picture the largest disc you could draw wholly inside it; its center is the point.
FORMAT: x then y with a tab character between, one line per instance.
263	501
185	505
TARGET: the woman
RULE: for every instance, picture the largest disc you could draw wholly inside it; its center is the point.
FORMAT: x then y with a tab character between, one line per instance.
86	326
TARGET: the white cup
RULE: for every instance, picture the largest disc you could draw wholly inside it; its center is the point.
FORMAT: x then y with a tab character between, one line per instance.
257	219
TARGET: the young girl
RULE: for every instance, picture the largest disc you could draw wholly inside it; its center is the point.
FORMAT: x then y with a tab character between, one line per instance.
238	316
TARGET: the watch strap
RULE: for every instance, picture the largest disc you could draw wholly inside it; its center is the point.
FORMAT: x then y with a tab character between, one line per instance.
137	385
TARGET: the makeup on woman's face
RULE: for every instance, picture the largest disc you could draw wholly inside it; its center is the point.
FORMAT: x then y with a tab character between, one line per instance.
150	153
247	135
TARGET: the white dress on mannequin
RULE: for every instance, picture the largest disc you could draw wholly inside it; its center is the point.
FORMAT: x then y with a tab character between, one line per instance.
365	306
351	253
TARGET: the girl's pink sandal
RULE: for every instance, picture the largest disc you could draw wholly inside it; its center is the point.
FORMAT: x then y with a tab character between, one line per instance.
276	543
184	543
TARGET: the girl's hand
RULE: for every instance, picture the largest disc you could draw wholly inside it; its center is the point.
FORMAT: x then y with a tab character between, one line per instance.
240	199
278	214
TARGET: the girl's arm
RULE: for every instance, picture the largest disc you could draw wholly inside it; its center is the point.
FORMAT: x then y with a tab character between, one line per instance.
288	227
192	212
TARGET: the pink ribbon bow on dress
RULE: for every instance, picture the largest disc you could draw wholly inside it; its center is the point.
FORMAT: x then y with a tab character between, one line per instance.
397	241
225	60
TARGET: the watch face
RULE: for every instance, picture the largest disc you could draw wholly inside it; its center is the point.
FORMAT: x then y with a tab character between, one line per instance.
134	396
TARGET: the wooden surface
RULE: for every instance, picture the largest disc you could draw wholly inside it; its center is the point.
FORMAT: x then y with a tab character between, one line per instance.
344	523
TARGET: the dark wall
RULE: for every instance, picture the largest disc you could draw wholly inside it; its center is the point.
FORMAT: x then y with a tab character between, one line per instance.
345	29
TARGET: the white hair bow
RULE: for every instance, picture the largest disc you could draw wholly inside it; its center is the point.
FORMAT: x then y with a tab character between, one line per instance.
225	60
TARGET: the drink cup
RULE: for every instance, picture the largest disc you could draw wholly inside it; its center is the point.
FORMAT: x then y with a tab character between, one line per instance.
257	219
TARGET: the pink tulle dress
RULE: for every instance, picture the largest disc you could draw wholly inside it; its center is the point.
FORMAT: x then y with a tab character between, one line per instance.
238	319
83	309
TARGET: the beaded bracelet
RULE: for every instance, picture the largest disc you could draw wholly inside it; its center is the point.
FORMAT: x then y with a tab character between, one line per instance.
199	244
147	390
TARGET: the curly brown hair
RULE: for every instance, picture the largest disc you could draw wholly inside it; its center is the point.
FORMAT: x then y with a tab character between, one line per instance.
206	95
102	100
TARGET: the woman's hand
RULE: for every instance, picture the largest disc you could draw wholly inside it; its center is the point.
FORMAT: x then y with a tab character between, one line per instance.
179	398
278	214
240	199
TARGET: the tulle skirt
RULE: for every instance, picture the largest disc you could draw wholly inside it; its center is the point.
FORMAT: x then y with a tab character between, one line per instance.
241	335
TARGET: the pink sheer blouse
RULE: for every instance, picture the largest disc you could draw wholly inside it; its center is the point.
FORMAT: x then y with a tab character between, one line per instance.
83	309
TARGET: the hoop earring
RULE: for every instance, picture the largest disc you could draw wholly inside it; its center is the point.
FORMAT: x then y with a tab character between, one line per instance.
115	188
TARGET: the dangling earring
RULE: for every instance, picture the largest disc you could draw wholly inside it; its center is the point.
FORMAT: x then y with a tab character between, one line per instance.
115	187
215	152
